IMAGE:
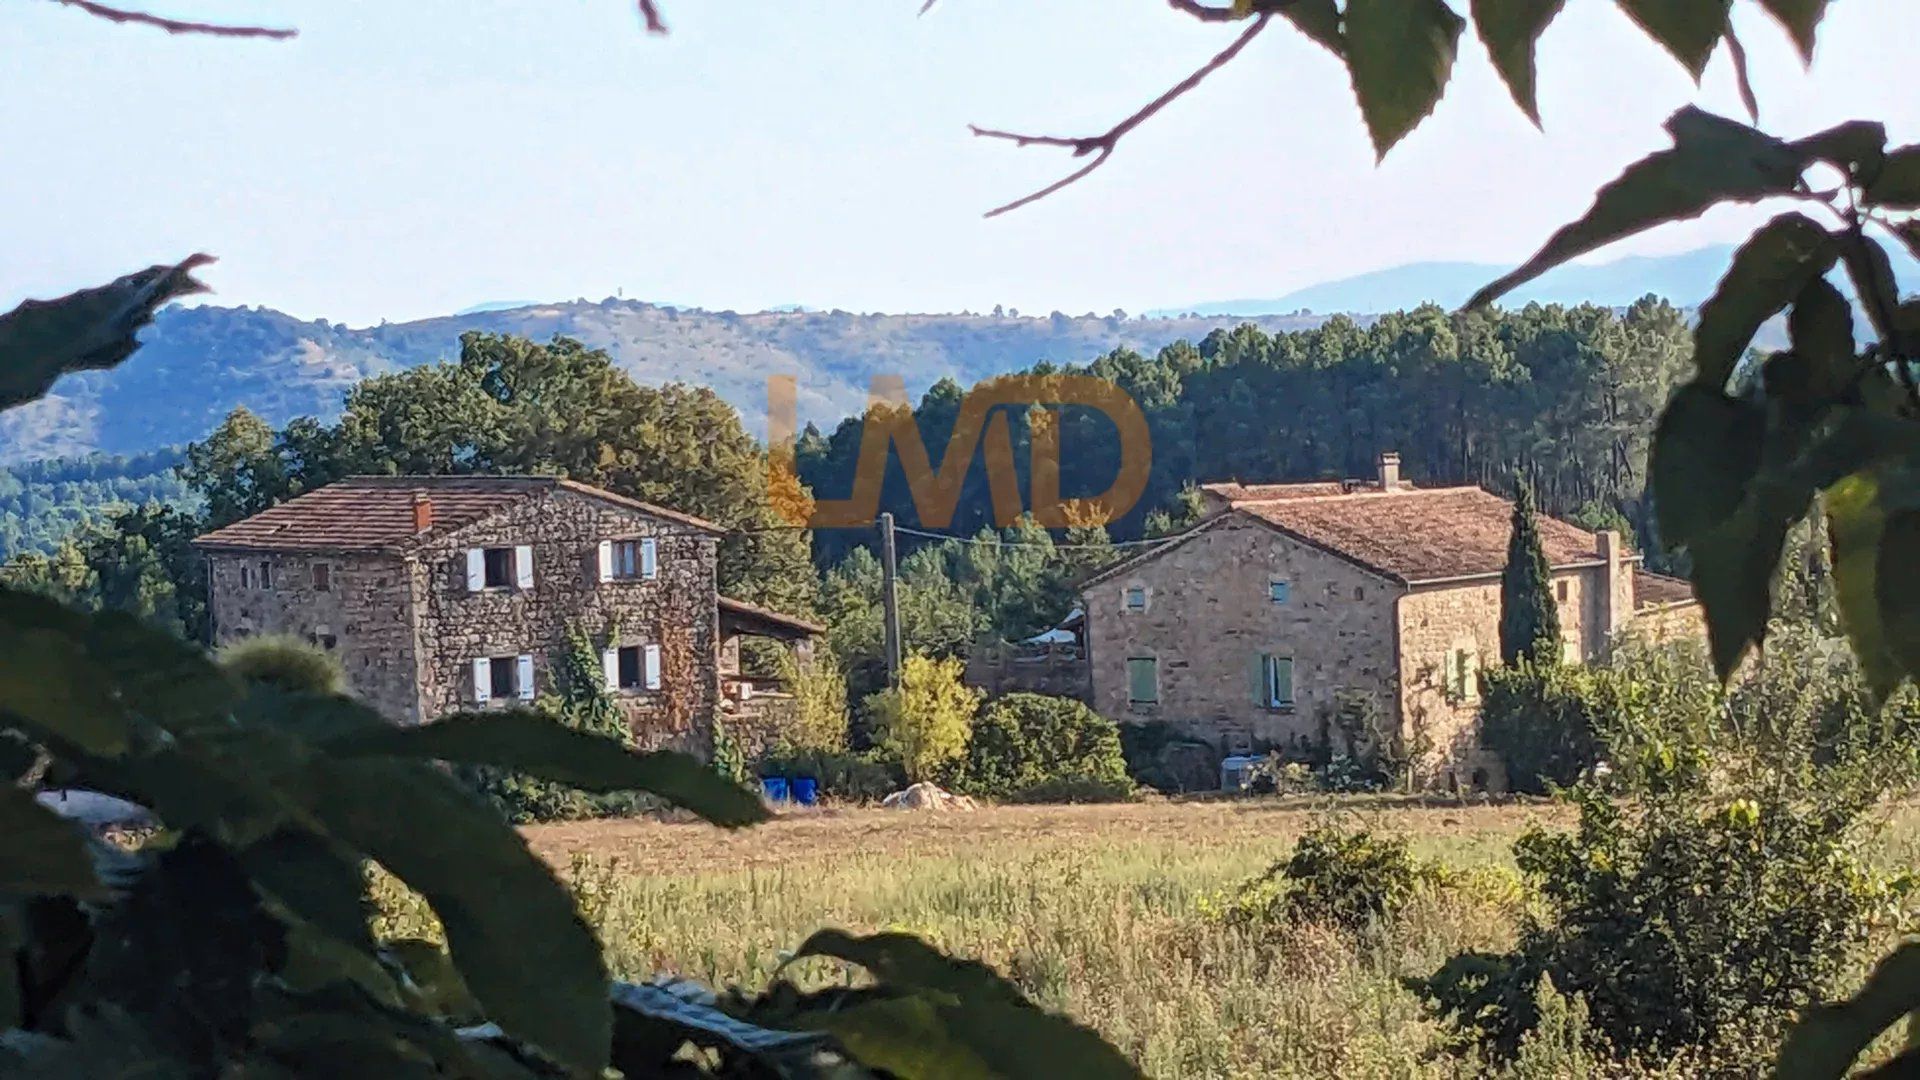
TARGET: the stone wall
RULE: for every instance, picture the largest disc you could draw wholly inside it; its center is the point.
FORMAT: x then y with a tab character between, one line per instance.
676	610
1055	670
1209	618
363	616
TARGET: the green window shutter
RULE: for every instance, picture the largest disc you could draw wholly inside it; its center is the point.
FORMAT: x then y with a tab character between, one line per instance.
1283	680
1257	677
1141	680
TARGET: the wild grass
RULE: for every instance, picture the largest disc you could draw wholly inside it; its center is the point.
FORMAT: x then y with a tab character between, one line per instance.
1105	913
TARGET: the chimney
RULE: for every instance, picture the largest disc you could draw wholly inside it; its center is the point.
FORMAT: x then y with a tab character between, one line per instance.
1615	602
422	512
1389	470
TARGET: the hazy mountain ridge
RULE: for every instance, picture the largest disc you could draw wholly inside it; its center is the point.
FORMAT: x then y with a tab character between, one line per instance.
197	364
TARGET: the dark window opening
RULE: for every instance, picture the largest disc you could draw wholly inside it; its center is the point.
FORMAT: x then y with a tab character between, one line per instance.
500	671
630	671
626	559
1560	589
322	577
266	574
499	563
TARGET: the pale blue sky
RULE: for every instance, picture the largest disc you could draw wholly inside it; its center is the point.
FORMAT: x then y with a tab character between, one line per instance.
405	158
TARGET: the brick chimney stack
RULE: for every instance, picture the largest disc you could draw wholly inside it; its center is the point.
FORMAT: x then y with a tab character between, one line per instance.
1615	603
422	512
1389	470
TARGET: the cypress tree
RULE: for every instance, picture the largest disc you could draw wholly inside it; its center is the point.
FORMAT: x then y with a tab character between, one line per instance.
1529	618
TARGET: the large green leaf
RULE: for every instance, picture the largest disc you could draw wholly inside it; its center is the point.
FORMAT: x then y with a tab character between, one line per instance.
1896	585
43	854
1769	271
1827	1040
1706	451
1898	185
1713	160
1820	326
511	927
1689	29
1858	147
1510	29
1855	525
909	1037
1400	54
42	339
536	745
1318	19
1802	20
969	1003
315	880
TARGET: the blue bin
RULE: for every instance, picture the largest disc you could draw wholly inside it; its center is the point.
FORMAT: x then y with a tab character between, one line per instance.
806	790
775	787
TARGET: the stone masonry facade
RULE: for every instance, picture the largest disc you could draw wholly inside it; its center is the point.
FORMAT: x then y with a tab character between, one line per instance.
408	624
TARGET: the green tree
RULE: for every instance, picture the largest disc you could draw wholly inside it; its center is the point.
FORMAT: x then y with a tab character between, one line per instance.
926	720
1020	741
236	469
1529	616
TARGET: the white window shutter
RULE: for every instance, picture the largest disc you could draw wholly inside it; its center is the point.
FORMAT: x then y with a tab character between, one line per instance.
649	562
610	666
482	680
523	566
523	677
476	569
652	655
606	560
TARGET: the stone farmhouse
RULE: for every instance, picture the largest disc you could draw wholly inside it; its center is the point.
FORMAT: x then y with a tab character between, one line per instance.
439	594
1288	604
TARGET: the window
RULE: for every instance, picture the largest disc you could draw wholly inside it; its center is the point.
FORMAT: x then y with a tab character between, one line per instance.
503	678
1560	590
1143	680
246	576
632	667
1136	598
1279	591
1276	682
256	575
629	560
1462	677
265	579
498	567
322	577
1359	592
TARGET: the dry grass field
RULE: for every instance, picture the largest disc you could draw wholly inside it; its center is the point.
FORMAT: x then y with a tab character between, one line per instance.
1102	911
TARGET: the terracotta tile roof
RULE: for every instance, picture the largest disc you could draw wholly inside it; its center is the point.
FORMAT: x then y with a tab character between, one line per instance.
745	615
1234	492
375	513
1657	590
1420	534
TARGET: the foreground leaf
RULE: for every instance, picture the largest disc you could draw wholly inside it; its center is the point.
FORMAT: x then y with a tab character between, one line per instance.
1855	523
1898	185
1897	587
1706	451
1688	29
652	1021
1858	147
536	745
1318	19
1802	20
1825	1043
511	927
43	339
1511	29
1400	54
1771	269
1713	160
44	854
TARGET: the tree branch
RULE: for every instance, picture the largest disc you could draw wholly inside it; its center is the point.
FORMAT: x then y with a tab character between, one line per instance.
651	15
176	26
1101	146
1203	12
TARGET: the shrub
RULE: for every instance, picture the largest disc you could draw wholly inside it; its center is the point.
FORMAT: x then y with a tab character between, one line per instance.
1344	878
1158	756
1075	789
866	777
1687	920
1545	721
926	720
817	717
286	663
1024	741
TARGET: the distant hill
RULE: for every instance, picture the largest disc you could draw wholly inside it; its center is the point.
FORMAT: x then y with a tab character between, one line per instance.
1685	280
196	364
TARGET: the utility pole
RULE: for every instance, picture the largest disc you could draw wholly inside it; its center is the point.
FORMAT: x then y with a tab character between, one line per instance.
890	599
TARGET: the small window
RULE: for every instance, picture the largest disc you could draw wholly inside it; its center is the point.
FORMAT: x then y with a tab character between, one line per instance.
329	642
1462	677
630	667
322	577
1279	591
1143	680
499	568
1136	598
1276	681
1359	592
262	575
500	672
1560	590
246	576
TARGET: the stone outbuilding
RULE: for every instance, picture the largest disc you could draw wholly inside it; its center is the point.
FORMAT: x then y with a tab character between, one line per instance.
1296	616
439	594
